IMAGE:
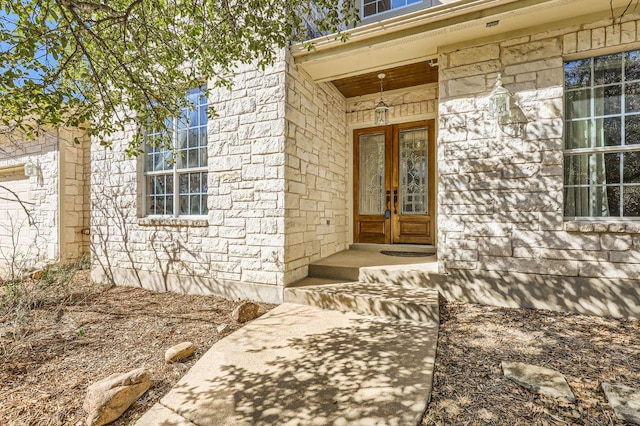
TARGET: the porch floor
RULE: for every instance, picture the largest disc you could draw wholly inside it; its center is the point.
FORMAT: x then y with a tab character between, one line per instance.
351	264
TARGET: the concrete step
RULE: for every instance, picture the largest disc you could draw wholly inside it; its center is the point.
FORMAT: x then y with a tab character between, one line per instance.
378	299
348	265
334	272
301	365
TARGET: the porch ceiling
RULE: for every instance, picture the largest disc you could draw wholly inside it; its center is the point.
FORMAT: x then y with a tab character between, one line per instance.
396	78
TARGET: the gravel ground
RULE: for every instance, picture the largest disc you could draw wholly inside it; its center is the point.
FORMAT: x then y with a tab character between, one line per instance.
46	365
45	371
469	387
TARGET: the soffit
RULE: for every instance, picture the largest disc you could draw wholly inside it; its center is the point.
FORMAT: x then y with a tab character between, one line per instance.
395	78
419	36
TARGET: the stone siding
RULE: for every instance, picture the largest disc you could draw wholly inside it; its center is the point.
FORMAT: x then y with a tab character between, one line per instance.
242	237
33	239
317	179
75	206
414	103
501	195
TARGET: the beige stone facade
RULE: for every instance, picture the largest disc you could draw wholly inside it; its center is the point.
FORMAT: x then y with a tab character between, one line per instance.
280	180
501	197
43	218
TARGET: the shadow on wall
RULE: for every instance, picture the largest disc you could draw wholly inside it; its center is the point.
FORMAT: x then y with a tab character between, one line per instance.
593	296
338	372
155	257
23	244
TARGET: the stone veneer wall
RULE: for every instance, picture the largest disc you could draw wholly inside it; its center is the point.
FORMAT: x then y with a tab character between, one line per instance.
39	243
238	249
501	197
74	195
317	180
404	104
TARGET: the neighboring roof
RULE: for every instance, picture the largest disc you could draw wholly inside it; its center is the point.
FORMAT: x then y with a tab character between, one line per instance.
417	36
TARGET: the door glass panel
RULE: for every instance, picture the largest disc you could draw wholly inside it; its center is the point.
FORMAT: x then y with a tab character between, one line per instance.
371	179
413	171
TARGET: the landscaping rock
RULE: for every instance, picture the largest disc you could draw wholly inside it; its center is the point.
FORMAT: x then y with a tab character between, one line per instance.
624	400
107	399
179	352
245	312
224	328
539	379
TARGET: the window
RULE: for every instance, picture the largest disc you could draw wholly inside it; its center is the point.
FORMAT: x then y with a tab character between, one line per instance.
602	136
373	7
176	177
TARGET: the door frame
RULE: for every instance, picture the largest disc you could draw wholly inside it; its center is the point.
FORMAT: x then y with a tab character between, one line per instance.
392	132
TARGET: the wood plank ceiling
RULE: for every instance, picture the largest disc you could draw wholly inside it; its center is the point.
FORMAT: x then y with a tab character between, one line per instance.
396	78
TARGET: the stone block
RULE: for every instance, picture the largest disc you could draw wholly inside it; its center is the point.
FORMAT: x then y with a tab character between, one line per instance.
474	55
615	242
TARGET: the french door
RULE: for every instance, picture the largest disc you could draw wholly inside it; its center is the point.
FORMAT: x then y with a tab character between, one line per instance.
394	177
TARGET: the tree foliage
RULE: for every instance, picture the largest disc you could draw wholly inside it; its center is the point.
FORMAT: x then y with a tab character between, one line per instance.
74	62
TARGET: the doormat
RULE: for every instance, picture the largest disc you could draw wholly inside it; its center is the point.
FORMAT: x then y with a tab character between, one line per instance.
406	253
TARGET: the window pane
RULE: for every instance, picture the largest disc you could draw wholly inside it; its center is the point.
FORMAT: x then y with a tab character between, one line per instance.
578	134
369	9
608	69
632	129
613	197
576	201
599	201
631	200
608	100
182	139
578	104
632	65
193	197
576	170
577	73
194	139
612	166
632	97
184	204
608	131
631	173
384	5
203	115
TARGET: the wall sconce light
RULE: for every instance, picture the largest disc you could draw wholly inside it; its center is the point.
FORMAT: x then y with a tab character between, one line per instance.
500	101
382	110
30	169
503	107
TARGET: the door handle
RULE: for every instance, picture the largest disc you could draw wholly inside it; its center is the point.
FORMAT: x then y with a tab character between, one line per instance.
387	212
395	201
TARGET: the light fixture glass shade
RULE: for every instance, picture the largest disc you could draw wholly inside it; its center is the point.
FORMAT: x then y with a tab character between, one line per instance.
500	100
30	169
381	114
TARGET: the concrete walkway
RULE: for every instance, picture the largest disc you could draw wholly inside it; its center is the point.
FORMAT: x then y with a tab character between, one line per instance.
302	365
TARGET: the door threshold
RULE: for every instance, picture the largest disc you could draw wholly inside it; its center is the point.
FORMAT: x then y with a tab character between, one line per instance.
421	248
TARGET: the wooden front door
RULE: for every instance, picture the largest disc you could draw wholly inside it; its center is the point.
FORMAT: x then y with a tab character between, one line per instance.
394	177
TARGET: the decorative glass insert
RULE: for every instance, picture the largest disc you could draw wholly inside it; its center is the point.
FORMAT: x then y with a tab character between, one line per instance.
602	136
373	7
413	171
184	161
371	175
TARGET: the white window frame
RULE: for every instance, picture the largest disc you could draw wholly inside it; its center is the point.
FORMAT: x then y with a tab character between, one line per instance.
175	172
392	9
614	149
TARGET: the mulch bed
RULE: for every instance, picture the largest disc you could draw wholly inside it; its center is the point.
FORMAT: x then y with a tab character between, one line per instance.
46	368
45	371
470	389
